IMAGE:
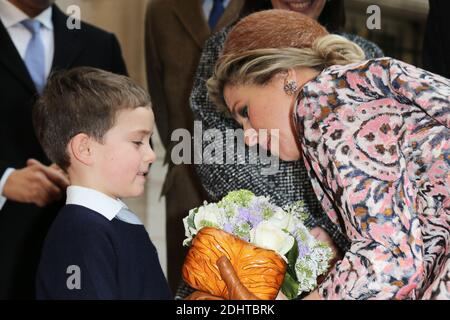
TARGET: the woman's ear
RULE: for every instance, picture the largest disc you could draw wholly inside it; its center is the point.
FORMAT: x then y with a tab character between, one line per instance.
81	148
288	74
291	74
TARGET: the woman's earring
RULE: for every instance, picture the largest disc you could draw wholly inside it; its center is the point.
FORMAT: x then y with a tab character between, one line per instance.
290	87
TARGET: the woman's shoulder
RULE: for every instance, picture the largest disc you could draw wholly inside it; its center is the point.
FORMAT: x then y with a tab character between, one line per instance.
338	79
368	67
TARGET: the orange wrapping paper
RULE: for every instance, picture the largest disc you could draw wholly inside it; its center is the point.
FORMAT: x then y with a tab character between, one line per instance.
261	271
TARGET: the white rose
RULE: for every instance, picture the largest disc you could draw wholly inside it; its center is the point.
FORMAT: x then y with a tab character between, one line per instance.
209	216
187	232
282	220
268	236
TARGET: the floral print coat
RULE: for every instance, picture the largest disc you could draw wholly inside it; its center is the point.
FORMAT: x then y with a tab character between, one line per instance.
375	138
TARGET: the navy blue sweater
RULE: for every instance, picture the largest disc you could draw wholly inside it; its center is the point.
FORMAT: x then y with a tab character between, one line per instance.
86	256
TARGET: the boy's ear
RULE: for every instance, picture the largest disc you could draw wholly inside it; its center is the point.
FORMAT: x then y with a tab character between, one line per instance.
80	148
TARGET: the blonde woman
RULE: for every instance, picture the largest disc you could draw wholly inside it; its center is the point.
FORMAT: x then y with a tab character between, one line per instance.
374	136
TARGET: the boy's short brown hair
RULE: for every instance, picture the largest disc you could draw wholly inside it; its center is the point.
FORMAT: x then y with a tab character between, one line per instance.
81	100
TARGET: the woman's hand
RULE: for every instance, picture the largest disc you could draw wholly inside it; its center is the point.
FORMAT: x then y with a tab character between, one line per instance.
321	235
314	295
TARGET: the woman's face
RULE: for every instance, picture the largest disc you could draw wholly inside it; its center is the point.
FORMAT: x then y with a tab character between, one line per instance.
311	8
267	107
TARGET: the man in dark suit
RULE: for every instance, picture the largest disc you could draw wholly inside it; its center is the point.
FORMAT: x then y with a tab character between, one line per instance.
34	40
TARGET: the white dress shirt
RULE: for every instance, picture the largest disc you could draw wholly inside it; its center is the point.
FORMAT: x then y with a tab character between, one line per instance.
11	17
94	200
208	6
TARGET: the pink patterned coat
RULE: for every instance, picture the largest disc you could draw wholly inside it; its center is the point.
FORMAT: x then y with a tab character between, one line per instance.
375	138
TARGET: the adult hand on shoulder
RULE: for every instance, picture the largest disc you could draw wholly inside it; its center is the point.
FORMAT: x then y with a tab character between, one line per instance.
36	183
57	168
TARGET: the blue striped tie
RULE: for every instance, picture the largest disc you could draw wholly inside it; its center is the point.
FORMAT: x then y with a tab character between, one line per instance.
216	13
35	55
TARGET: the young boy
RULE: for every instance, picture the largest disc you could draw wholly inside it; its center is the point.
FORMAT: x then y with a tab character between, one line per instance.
96	126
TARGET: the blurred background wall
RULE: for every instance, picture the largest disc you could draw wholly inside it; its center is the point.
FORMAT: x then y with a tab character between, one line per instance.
125	18
402	26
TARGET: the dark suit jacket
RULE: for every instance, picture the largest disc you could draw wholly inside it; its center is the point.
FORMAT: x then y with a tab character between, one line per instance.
23	226
175	33
436	45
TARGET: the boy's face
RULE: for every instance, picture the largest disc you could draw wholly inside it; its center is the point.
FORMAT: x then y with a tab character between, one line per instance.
122	161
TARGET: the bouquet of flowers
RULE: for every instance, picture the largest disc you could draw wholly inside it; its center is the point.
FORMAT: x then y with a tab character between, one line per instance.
254	219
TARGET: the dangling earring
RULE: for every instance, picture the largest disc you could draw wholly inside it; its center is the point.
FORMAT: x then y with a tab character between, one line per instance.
290	87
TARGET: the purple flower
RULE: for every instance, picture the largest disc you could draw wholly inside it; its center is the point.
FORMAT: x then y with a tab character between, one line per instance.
302	249
254	219
228	227
249	216
257	205
243	214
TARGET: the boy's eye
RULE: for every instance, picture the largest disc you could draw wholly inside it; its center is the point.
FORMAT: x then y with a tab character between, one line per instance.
244	112
138	143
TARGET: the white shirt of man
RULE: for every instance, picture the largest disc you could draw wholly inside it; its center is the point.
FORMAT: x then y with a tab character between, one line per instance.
11	17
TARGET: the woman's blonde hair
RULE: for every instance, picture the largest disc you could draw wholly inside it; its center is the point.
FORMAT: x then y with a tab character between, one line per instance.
251	57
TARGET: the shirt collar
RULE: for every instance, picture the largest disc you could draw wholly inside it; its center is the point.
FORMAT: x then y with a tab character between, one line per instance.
10	15
94	200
